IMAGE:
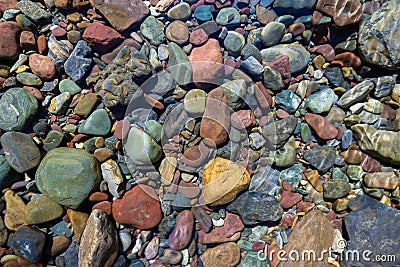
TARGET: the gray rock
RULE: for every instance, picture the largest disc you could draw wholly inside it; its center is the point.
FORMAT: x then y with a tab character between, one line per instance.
356	94
278	132
34	11
252	66
28	243
228	16
384	86
79	61
272	33
153	30
321	158
335	77
179	65
296	8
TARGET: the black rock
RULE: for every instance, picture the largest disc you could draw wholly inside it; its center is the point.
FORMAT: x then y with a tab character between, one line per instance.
321	158
384	86
28	242
79	61
372	226
256	207
336	188
335	77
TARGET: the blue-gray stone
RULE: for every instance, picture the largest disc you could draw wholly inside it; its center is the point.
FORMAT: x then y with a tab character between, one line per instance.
228	16
288	101
321	101
321	158
347	138
202	13
71	254
61	229
252	67
296	8
265	181
285	19
335	77
292	175
79	61
7	175
28	243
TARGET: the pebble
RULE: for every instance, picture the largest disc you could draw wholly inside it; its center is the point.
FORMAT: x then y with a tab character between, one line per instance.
15	215
98	123
177	32
42	66
322	158
272	33
223	254
152	30
180	11
181	235
28	242
42	209
234	42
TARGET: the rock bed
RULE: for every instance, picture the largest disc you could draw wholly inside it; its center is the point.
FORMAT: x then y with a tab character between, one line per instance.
198	133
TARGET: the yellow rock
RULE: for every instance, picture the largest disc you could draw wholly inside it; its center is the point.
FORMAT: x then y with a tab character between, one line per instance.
15	211
313	178
78	221
223	180
167	170
346	72
22	68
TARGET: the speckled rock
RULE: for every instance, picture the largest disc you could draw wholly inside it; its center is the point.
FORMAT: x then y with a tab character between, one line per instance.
226	254
343	12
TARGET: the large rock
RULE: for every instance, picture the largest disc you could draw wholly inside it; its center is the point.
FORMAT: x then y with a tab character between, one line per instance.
9	47
101	38
378	36
68	176
42	209
122	14
99	243
296	8
181	236
356	94
344	12
314	232
28	243
380	144
222	181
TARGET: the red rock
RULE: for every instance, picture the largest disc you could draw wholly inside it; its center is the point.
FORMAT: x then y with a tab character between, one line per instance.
42	66
104	206
282	114
203	218
216	118
107	58
35	92
230	231
8	4
101	38
297	28
325	50
190	190
206	62
263	96
27	40
344	12
289	199
58	32
347	59
42	44
139	207
229	66
272	252
370	164
195	156
281	65
198	37
324	129
9	47
98	196
182	234
122	129
242	119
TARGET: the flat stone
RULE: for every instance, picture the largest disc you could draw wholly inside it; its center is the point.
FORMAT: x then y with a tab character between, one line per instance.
324	129
15	215
336	188
20	151
42	209
99	243
153	30
321	158
286	155
228	232
112	175
28	243
178	64
177	32
195	101
321	101
335	77
278	132
343	12
180	11
60	244
222	181
98	123
139	207
288	101
59	103
34	12
101	38
356	94
42	66
79	61
251	208
227	254
122	15
272	33
228	16
385	180
69	86
172	256
202	13
68	176
265	16
181	236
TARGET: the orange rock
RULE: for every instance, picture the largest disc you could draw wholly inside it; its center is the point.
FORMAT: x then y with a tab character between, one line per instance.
347	59
324	129
42	66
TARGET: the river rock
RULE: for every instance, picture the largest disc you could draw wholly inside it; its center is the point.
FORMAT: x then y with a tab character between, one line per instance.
101	37
181	236
278	132
336	188
226	254
356	94
9	47
222	181
343	12
321	101
68	176
42	66
79	61
298	8
272	33
34	12
42	209
177	32
180	11
15	215
153	30
98	123
28	243
324	129
321	158
385	180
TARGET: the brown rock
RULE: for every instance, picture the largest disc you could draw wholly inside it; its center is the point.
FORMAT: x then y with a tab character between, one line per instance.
107	58
98	196
203	218
9	47
264	15
8	4
227	254
297	28
313	178
35	92
60	244
99	246
352	157
27	40
282	65
313	232
103	154
42	66
101	38
42	44
182	234
216	118
139	207
347	59
326	50
370	164
122	14
15	211
206	62
63	4
289	199
177	32
344	12
229	232
122	129
195	156
324	129
190	190
78	221
198	37
222	181
385	180
167	170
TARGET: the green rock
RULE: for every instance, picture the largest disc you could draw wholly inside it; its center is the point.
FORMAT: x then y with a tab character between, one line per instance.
305	132
153	30
244	244
68	176
90	145
180	12
141	148
179	65
288	101
69	86
272	33
272	79
53	139
254	259
286	155
42	209
373	192
59	103
292	175
17	108
7	175
228	16
298	55
30	79
321	101
354	172
34	11
98	123
195	101
235	92
336	188
154	129
234	42
338	174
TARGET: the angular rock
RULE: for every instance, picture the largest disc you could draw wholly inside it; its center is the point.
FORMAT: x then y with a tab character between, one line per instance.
321	101
321	158
28	243
34	12
336	188
288	101
113	177
278	132
230	231
101	38
79	61
153	30
324	129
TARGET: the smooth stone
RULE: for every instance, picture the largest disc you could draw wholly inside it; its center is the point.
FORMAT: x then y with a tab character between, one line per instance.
59	245
20	151
254	259
68	176
112	175
28	243
250	206
203	13
171	256
298	55
180	11
42	66
250	50
123	14
79	62
324	129
228	16
288	101
272	33
34	12
226	254
99	243
7	174
277	133
234	42
286	155
298	8
317	227
305	132
222	181
42	209
98	123
30	79
9	46
181	235
265	16
154	129
178	64
272	79
356	94
321	101
139	207
152	30
385	180
69	86
195	101
177	32
343	12
58	104
292	175
336	188
252	66
321	158
235	92
100	38
141	148
15	215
